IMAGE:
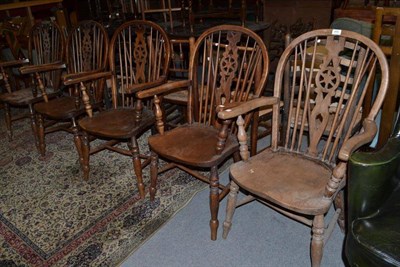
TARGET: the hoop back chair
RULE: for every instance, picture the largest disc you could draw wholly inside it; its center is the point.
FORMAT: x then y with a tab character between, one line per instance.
229	66
45	53
304	170
86	54
139	59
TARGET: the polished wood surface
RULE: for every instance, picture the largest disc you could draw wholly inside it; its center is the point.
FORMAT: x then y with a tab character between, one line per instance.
45	48
228	64
86	53
139	60
303	173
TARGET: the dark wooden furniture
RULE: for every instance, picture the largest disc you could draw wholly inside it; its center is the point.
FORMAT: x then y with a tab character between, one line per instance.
200	11
175	103
139	59
373	201
229	66
388	37
46	50
304	171
86	52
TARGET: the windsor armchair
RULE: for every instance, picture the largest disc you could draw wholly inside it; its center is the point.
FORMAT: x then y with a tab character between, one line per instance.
228	66
45	53
86	54
139	59
306	164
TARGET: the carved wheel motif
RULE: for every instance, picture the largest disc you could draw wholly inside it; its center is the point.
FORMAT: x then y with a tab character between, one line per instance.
328	79
140	53
228	65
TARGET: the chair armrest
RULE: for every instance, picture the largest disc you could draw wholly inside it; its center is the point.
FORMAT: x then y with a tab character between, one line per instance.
358	140
144	86
167	87
42	68
85	77
13	63
230	111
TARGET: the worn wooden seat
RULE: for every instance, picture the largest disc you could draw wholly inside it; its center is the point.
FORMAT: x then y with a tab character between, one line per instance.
198	138
139	59
120	123
60	108
300	191
304	172
228	65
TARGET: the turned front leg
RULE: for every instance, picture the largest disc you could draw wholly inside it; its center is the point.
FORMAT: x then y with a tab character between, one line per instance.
214	202
153	175
8	120
137	165
40	135
317	241
85	144
230	208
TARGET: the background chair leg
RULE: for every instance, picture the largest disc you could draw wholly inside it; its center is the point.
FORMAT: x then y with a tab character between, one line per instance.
137	165
153	175
317	241
33	125
214	202
8	120
85	155
40	135
78	142
230	208
339	204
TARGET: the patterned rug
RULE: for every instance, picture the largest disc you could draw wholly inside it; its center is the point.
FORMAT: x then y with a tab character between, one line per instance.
49	216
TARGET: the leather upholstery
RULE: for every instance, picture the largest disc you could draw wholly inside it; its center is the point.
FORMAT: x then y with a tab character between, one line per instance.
373	236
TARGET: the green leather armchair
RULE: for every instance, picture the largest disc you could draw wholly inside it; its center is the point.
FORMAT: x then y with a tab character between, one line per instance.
373	230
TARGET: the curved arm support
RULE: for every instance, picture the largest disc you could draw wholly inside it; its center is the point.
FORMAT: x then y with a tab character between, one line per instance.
358	140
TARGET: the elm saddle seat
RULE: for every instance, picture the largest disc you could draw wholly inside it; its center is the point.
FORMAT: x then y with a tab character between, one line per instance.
60	108
197	137
373	232
106	125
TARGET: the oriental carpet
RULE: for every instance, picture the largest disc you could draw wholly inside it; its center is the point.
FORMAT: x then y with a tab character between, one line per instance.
50	216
